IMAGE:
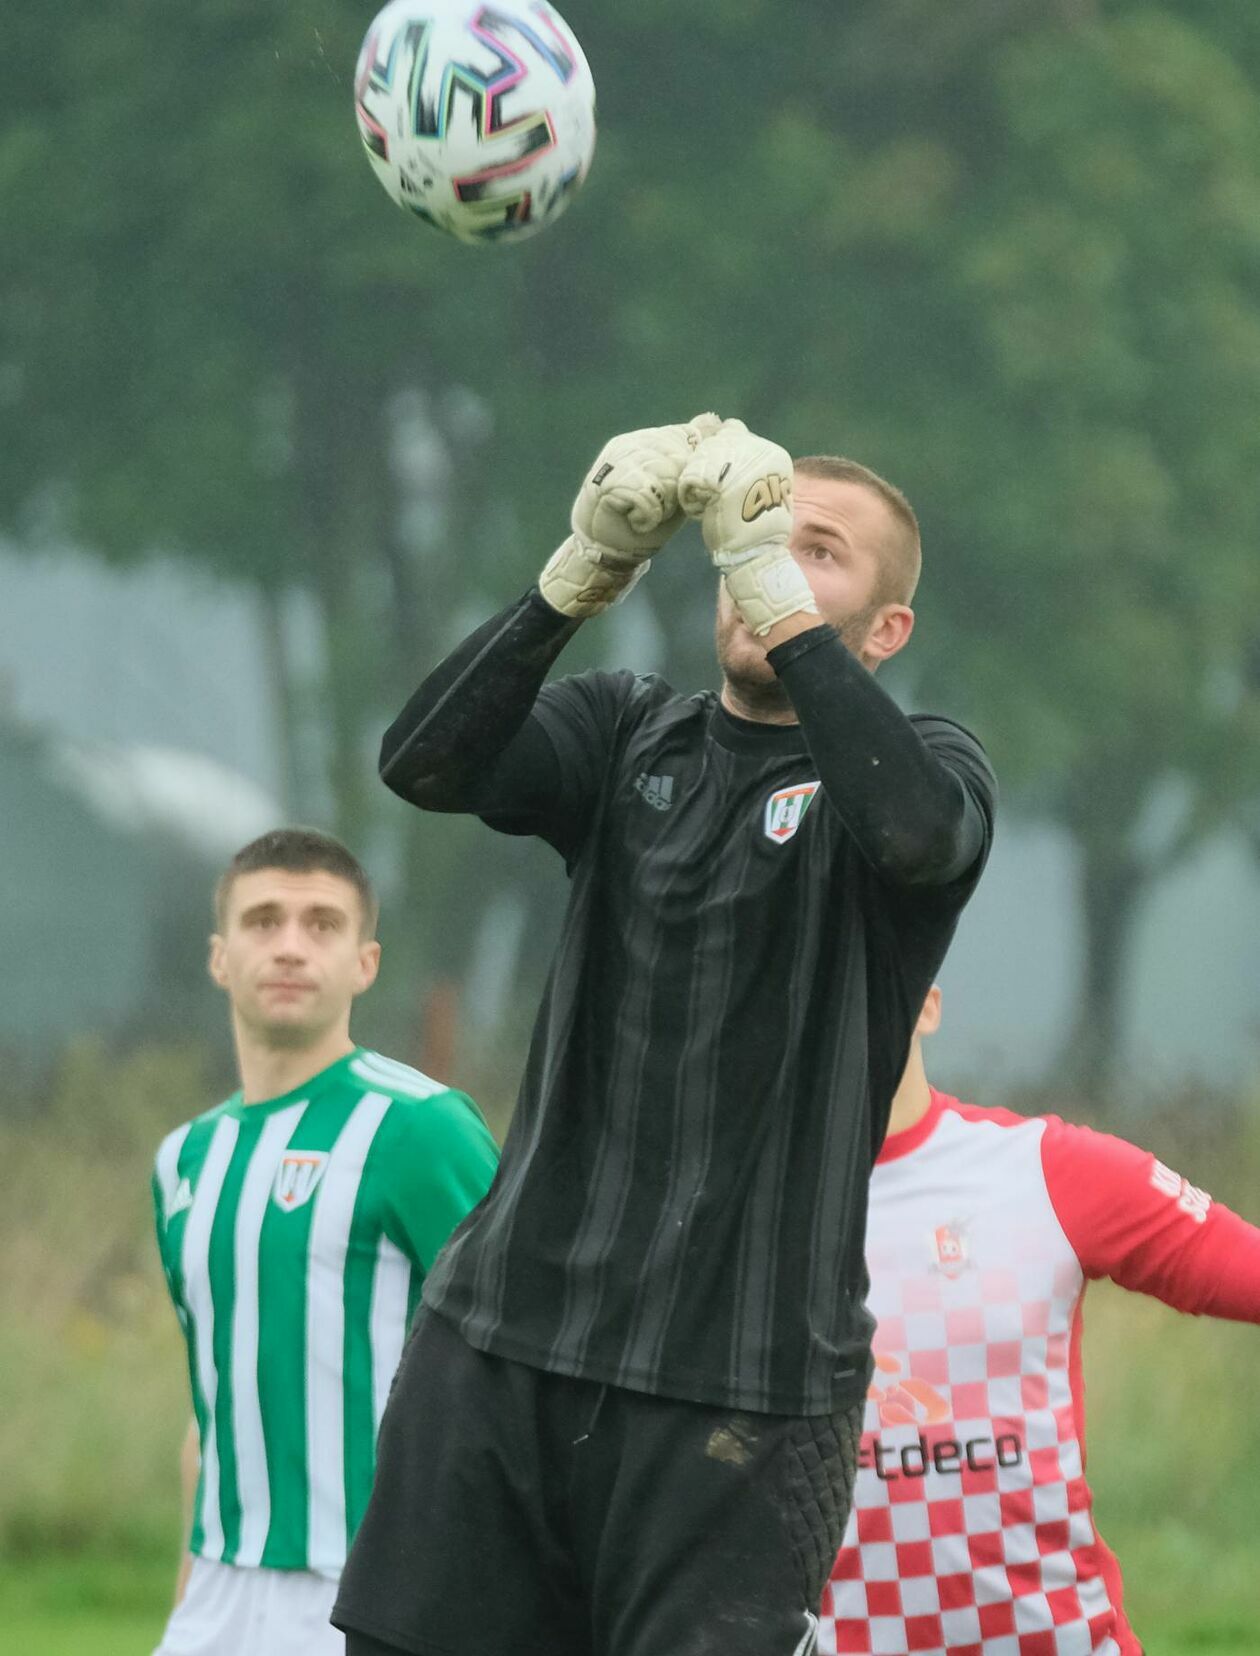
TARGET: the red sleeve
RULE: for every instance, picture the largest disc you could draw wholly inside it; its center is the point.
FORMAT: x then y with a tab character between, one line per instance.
1130	1218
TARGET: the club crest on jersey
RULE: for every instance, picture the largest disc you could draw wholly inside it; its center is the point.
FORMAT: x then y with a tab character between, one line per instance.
297	1176
786	808
950	1253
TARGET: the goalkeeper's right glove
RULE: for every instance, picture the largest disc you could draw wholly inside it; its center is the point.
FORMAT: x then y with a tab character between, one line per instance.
625	511
740	487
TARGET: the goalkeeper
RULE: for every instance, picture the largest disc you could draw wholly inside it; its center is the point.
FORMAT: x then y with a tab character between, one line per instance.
633	1397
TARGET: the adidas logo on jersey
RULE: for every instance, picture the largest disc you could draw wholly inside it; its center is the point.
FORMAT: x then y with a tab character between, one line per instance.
658	791
181	1198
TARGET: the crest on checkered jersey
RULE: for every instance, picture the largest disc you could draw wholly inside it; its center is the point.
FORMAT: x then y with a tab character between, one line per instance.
297	1177
950	1253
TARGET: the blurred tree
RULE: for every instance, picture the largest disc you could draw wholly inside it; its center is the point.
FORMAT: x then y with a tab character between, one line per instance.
1007	254
219	339
1105	280
1010	255
1022	249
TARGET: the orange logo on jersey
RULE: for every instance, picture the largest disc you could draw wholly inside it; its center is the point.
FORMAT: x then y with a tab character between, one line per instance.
949	1249
907	1402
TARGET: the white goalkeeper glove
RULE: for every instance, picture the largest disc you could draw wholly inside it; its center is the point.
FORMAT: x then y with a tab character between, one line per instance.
625	511
740	487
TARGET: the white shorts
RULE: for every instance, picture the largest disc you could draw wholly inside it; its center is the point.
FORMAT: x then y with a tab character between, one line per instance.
228	1610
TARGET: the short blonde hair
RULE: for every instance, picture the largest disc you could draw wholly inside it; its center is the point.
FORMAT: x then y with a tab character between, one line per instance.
901	557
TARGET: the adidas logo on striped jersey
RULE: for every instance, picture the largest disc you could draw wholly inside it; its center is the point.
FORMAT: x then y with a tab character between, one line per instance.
181	1198
395	1077
657	791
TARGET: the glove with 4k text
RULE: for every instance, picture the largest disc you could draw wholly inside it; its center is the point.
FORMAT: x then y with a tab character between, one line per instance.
625	511
740	487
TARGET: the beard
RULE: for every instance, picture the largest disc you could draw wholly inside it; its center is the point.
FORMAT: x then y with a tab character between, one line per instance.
755	687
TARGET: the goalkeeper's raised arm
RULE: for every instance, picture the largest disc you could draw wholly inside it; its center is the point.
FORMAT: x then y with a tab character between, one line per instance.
463	741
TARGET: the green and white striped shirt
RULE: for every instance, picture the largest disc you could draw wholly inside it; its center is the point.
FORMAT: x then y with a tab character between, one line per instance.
295	1235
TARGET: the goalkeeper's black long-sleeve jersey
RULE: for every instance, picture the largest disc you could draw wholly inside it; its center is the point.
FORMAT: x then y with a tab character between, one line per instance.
756	913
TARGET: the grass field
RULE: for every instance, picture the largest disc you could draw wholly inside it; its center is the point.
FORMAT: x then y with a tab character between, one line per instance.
1184	1523
94	1393
83	1606
1187	1600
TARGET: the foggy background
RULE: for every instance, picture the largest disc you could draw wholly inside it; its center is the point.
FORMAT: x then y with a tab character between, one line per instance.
151	696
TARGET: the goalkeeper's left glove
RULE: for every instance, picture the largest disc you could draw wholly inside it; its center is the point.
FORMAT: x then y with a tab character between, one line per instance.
740	487
624	512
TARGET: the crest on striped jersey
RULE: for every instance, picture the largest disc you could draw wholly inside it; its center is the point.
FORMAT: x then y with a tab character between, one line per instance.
786	808
297	1176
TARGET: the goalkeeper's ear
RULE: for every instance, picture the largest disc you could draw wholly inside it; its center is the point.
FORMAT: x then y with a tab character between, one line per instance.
889	632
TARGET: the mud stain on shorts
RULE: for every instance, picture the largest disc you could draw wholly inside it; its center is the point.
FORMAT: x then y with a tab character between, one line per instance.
733	1442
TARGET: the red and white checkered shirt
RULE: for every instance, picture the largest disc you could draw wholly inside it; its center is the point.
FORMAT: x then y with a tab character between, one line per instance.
972	1532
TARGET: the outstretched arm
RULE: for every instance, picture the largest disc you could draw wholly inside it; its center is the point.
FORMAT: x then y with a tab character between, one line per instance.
465	741
1131	1218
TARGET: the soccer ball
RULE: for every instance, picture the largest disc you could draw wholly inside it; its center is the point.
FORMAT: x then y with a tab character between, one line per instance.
480	119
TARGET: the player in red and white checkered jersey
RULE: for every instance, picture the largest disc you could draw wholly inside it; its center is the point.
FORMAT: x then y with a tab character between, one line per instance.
972	1531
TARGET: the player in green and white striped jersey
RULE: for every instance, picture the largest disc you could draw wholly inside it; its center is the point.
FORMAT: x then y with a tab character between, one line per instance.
295	1223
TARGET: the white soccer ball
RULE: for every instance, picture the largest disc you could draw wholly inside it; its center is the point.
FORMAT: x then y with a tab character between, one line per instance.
480	119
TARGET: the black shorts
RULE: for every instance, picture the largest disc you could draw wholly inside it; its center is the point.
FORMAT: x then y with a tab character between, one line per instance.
521	1513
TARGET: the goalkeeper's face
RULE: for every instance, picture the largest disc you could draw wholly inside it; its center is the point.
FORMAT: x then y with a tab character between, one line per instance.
292	955
840	535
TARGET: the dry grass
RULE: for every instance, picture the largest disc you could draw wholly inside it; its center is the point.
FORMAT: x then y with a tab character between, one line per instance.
90	1353
92	1371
